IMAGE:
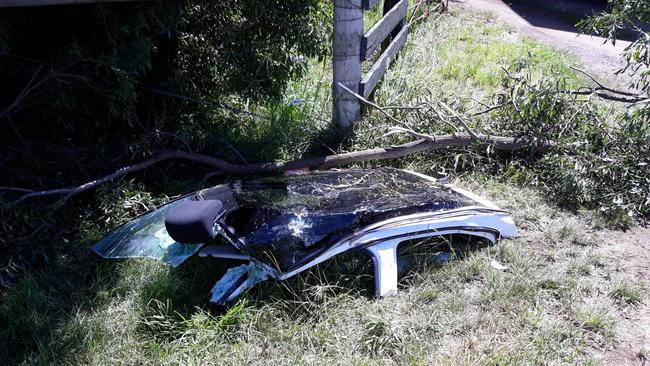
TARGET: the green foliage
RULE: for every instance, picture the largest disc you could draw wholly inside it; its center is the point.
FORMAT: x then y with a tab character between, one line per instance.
540	112
252	47
90	99
90	78
598	164
626	15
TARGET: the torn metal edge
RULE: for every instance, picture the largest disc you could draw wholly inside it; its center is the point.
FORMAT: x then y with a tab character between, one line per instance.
236	280
380	242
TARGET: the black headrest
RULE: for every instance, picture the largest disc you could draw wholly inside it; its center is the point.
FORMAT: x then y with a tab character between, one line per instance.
192	222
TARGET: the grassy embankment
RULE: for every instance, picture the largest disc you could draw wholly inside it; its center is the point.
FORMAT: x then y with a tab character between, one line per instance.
560	301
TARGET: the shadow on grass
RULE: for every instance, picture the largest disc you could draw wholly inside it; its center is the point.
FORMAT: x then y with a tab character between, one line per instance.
67	284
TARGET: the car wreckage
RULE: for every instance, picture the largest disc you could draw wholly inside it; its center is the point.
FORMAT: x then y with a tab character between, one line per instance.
280	226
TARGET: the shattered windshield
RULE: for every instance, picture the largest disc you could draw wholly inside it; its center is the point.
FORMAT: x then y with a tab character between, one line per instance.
283	220
146	237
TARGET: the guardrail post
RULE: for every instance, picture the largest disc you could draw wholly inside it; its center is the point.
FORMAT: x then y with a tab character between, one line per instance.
346	51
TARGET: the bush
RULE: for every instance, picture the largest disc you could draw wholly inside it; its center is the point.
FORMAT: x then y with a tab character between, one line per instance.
602	159
89	83
93	67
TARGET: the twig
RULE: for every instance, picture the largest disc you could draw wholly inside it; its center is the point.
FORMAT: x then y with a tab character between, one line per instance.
603	95
487	110
16	189
442	118
29	87
441	7
603	87
605	92
404	107
510	76
395	130
374	105
459	119
416	7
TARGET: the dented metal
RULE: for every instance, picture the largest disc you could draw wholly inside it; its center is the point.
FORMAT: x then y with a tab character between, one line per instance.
281	226
237	280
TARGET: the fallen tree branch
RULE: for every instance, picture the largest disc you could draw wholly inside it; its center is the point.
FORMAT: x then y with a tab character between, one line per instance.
427	144
600	91
604	92
605	95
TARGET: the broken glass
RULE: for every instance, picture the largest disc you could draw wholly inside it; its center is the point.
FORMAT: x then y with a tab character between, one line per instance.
282	225
146	237
281	221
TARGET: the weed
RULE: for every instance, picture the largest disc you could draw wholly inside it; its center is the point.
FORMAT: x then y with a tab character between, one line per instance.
428	295
580	268
379	338
549	284
597	322
626	293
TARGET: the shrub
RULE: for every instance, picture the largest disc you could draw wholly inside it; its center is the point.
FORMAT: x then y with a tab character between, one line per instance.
82	77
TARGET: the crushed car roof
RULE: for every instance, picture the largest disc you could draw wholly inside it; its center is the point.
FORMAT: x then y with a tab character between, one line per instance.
283	225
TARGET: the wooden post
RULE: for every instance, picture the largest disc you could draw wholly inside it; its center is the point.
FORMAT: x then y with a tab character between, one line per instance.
346	50
388	6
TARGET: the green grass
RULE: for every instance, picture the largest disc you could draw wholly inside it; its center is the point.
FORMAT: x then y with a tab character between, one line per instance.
597	322
81	310
479	57
464	54
371	17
